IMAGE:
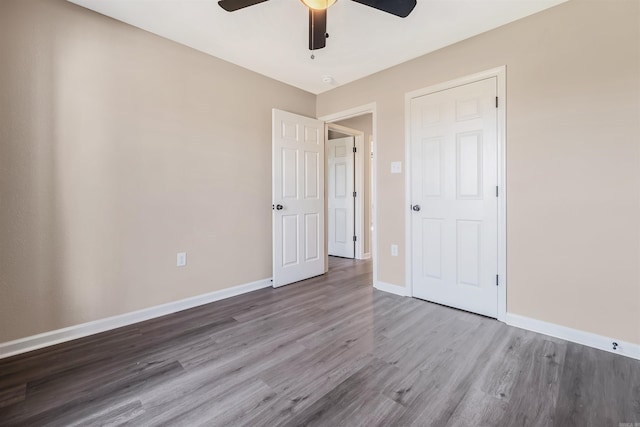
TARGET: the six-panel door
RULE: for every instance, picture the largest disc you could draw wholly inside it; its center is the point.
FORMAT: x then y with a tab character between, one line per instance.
298	197
453	181
340	199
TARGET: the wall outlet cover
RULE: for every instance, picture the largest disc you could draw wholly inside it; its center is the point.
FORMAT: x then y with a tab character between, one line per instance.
396	167
181	259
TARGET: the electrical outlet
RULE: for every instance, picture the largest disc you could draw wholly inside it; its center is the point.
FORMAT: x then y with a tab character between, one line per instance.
394	250
181	259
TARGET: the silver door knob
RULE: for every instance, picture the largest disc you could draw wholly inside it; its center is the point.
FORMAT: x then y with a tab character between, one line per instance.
416	208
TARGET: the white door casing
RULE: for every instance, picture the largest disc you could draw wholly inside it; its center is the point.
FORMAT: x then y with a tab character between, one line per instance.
340	200
347	114
298	197
454	177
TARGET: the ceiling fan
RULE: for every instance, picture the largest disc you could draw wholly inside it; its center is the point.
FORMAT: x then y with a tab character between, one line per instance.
318	13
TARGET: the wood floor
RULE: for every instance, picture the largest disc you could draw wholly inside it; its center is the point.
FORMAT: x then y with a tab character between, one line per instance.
328	351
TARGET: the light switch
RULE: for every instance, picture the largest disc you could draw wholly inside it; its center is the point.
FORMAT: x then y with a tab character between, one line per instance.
396	167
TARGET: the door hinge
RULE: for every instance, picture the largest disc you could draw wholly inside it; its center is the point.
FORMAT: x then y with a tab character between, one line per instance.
355	150
355	238
496	102
497	280
354	194
496	191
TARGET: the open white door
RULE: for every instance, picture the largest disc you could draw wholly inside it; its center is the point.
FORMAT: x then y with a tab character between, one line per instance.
454	177
298	197
341	201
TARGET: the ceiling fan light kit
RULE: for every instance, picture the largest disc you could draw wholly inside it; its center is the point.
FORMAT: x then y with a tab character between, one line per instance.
318	4
318	13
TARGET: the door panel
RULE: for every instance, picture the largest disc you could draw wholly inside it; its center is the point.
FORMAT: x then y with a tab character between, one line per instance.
312	230
432	155
311	175
453	180
432	248
340	200
298	188
290	240
289	173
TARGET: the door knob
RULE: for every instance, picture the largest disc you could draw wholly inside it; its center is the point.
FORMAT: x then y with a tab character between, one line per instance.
416	208
279	207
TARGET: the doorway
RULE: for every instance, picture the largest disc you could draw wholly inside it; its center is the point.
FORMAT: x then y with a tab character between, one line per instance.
359	131
299	181
356	133
358	123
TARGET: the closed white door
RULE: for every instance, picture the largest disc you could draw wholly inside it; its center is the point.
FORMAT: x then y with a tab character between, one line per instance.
340	200
454	175
298	197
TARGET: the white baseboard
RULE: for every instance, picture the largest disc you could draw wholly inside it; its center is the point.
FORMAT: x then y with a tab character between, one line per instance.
574	335
366	255
392	289
45	339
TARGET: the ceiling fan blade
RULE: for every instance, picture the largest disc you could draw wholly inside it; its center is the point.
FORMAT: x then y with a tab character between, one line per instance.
232	5
317	29
401	8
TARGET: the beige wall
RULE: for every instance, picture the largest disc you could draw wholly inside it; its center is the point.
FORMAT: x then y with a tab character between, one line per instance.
118	149
573	158
364	123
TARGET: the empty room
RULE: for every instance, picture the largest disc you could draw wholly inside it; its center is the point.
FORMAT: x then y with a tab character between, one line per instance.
320	213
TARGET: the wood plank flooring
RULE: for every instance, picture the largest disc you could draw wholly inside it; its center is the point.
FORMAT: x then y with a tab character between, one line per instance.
329	351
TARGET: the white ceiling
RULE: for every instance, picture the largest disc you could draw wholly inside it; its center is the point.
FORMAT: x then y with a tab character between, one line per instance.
271	38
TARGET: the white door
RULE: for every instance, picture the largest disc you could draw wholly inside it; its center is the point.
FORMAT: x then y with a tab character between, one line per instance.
298	197
454	172
340	200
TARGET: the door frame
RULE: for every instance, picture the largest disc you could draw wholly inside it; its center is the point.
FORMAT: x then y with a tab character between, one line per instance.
348	114
500	74
358	140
